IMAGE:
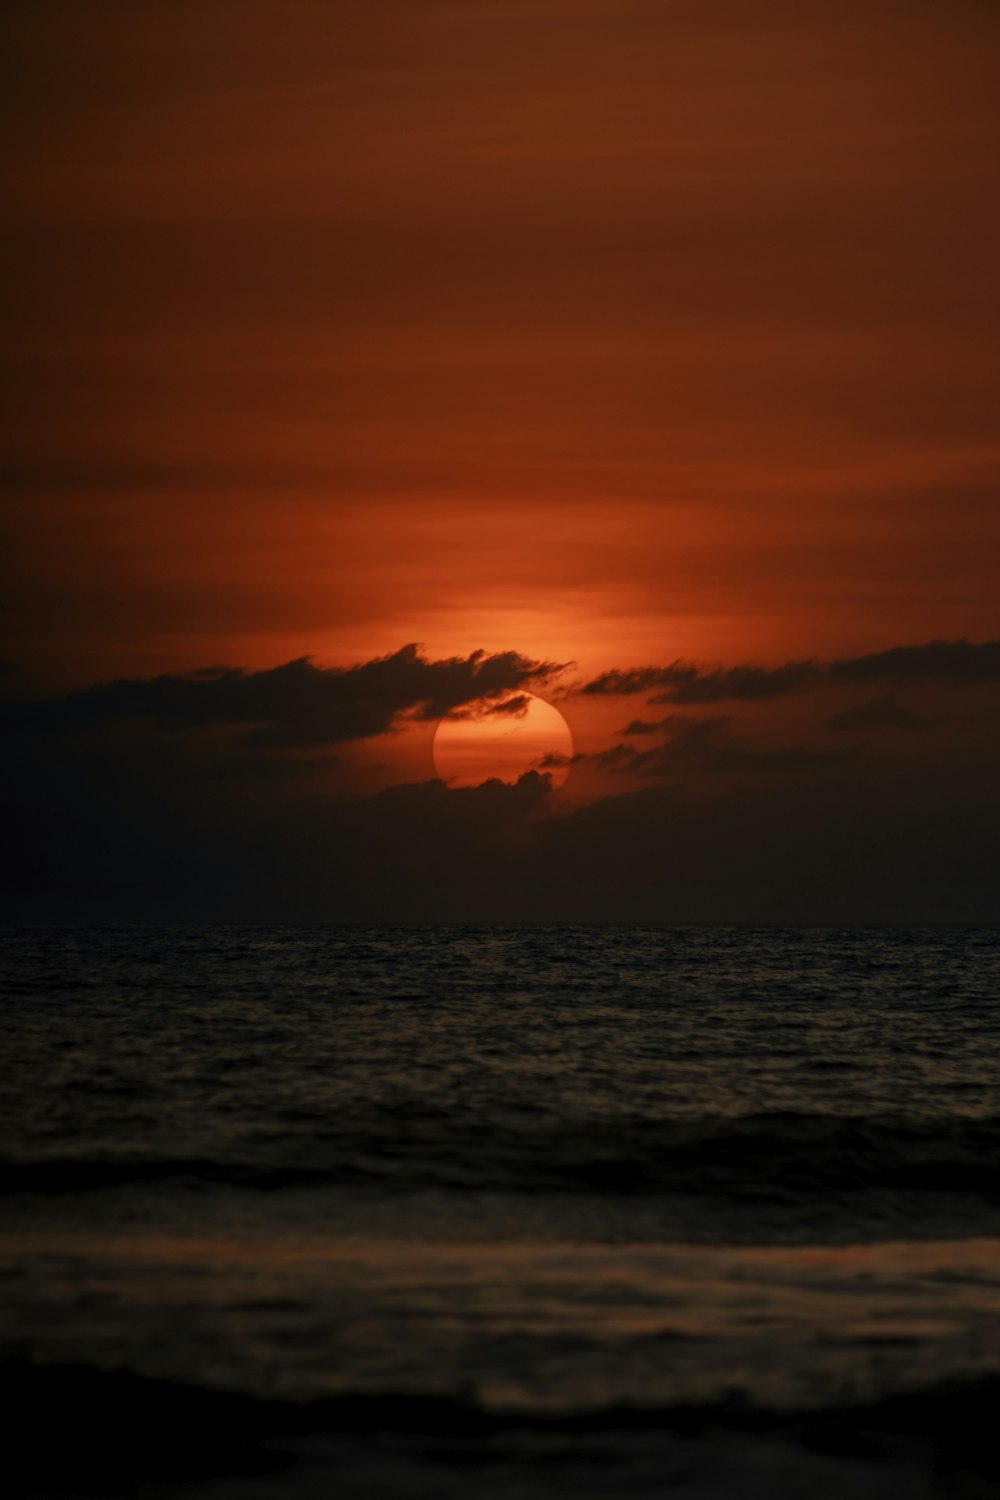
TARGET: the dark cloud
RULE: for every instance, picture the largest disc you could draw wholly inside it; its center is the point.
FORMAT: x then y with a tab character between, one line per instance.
92	829
513	708
879	713
622	684
140	824
298	704
642	726
955	662
688	685
958	661
90	834
869	842
616	758
555	761
710	745
684	682
10	675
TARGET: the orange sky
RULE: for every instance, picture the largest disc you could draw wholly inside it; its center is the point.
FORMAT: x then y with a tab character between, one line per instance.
611	331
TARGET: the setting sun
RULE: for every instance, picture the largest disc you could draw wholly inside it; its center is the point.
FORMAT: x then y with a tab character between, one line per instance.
502	741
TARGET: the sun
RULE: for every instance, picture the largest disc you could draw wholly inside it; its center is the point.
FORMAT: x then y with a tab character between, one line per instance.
501	739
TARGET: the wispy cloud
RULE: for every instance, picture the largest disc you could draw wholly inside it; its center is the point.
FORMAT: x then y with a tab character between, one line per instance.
947	662
880	713
299	703
711	745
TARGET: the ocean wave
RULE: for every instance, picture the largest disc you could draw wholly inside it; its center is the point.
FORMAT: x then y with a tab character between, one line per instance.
775	1158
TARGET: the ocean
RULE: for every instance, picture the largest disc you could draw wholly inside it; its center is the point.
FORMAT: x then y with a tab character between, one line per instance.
502	1211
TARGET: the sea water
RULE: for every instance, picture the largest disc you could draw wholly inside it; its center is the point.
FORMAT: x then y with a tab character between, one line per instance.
509	1188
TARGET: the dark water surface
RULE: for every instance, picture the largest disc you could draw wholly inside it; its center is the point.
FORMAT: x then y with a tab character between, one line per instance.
524	1185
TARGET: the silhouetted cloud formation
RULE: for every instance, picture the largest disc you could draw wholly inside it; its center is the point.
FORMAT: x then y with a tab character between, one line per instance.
642	726
698	745
91	835
555	760
879	713
938	661
711	817
298	704
510	708
684	682
502	708
955	662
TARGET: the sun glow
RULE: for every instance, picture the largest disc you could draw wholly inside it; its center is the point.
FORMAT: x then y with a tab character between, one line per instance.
503	740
